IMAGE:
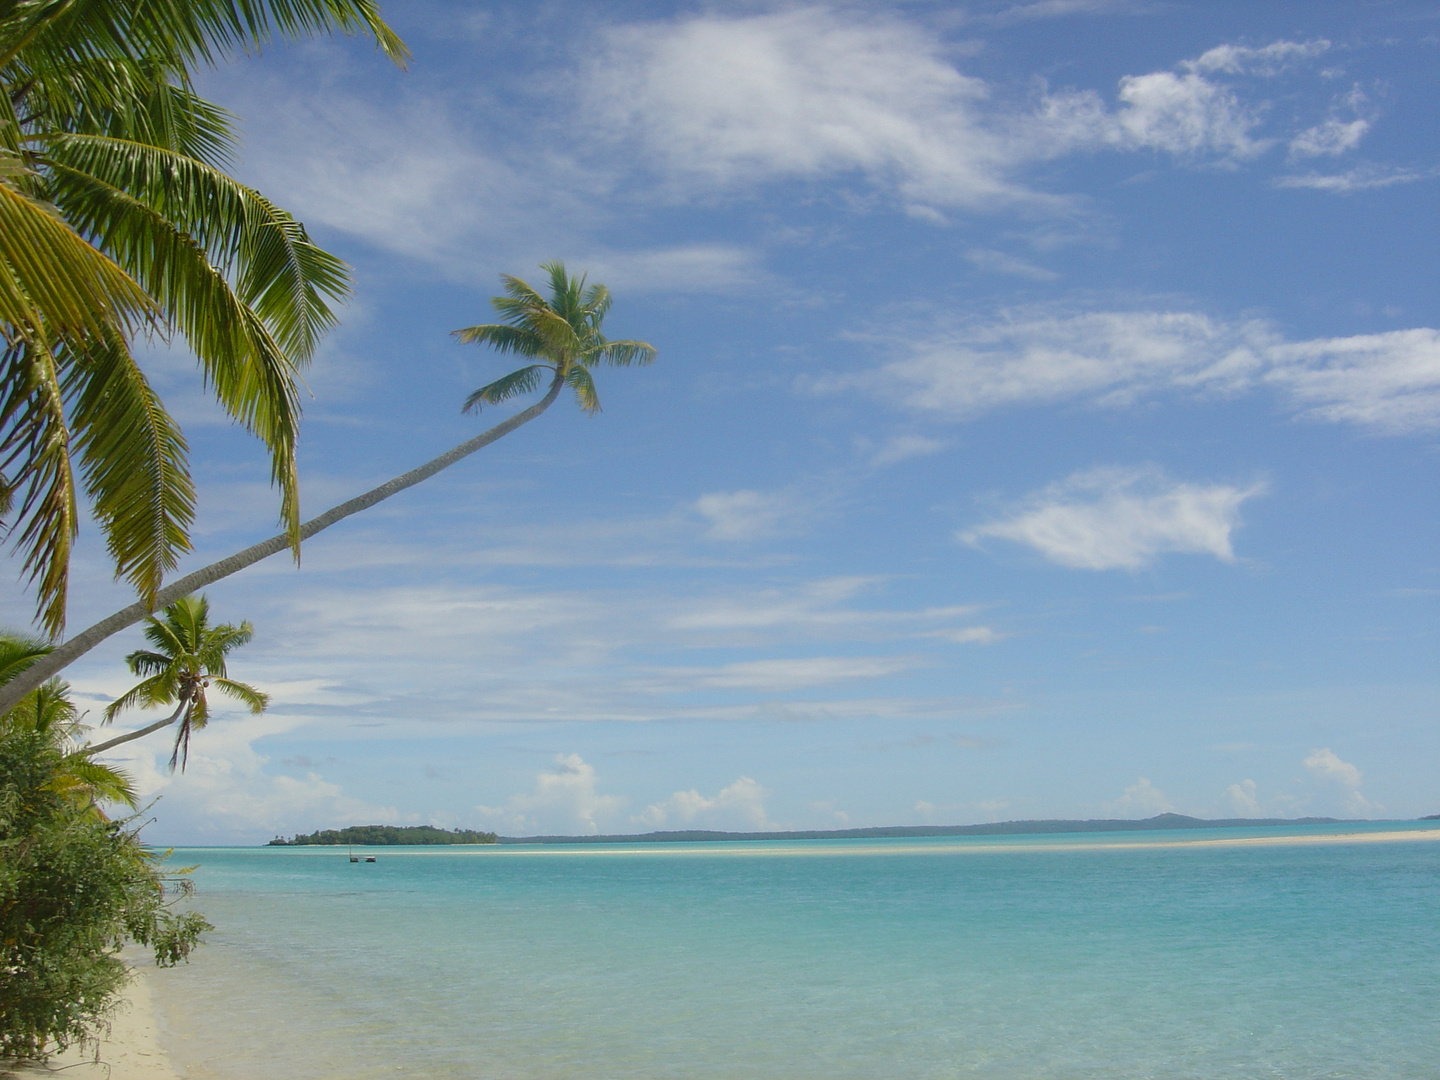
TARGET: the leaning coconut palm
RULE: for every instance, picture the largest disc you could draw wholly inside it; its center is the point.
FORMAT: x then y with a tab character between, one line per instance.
49	712
188	658
562	334
118	218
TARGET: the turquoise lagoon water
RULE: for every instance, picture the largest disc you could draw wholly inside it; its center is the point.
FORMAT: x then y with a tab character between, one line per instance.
1013	958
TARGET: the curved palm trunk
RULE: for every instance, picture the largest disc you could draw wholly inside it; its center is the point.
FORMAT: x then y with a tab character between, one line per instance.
80	644
112	743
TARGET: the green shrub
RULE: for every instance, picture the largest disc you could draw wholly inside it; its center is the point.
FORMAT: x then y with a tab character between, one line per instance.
74	887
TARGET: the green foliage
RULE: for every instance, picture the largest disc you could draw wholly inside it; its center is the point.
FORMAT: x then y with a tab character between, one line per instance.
562	332
118	218
74	887
188	657
389	835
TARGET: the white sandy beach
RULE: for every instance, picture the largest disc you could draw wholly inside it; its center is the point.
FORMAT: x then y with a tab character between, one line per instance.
131	1050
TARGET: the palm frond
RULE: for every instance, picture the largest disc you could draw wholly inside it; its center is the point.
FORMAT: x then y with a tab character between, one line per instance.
18	652
503	339
523	381
159	689
579	380
133	459
52	283
623	353
35	453
254	700
254	379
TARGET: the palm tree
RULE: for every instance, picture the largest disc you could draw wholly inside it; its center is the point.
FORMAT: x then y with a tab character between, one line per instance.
118	218
187	659
562	334
49	712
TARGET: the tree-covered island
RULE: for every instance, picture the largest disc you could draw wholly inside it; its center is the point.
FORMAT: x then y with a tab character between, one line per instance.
387	834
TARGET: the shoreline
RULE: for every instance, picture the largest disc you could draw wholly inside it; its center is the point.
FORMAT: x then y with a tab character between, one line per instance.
131	1050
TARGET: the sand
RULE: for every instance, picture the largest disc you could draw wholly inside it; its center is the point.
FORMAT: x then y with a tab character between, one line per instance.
131	1050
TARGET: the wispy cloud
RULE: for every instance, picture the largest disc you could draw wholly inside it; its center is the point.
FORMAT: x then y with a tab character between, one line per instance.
1122	519
998	262
1388	382
1360	178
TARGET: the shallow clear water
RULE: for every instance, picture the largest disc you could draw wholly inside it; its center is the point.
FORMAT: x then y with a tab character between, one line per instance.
999	957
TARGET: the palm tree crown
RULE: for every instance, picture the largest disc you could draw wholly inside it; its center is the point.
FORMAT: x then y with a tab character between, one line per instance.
118	218
188	658
563	333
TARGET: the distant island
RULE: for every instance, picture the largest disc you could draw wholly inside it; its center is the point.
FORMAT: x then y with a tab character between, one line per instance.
375	835
1002	828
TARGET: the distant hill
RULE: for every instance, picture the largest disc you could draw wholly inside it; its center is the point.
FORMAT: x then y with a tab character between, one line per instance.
1002	828
387	835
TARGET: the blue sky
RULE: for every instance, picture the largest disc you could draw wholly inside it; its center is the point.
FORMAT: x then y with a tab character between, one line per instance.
1044	425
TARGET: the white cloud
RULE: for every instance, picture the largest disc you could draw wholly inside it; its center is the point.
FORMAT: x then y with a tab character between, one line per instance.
801	93
998	262
1361	178
1330	139
1108	519
718	102
703	268
899	448
225	794
1242	799
784	676
1034	356
742	802
969	635
1268	60
1184	114
562	800
1388	381
1140	799
1325	764
743	516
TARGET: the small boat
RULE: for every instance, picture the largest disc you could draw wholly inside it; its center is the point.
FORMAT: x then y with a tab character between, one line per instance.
369	858
353	856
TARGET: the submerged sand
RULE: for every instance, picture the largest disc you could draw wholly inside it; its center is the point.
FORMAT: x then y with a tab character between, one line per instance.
130	1051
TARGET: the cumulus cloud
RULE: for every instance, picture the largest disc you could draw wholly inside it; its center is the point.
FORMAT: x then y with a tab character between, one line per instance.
1122	519
226	793
743	802
1325	764
563	799
1389	382
1140	799
1241	798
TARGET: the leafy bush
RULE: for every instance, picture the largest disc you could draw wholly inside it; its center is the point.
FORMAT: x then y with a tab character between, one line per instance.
74	887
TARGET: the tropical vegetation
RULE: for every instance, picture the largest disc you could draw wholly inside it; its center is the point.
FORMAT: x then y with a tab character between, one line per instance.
119	223
561	335
387	835
75	885
187	659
